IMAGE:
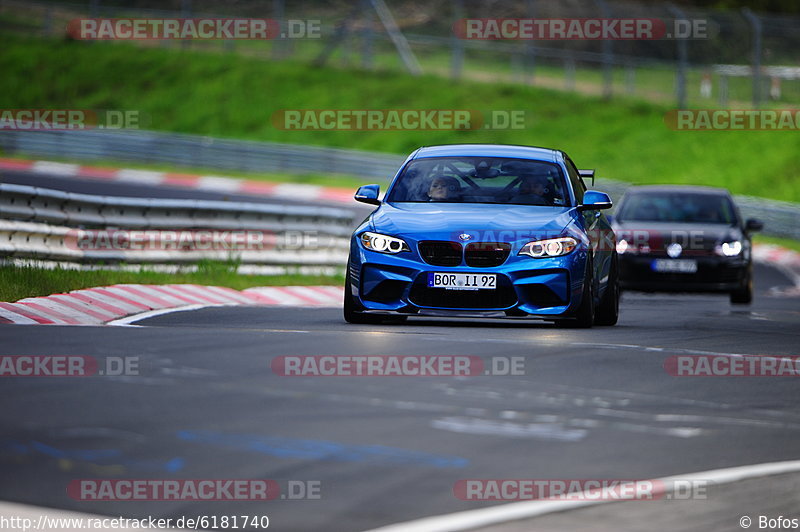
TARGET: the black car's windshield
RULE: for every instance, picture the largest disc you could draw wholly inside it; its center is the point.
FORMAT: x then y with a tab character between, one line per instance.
677	207
481	180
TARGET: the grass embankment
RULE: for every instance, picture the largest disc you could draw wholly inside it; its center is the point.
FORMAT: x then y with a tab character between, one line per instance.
782	242
17	282
228	95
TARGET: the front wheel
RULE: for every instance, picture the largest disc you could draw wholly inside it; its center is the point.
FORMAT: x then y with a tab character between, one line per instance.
351	315
744	295
584	317
608	310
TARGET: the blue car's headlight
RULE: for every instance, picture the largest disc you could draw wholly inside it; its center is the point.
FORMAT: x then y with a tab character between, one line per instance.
553	247
383	243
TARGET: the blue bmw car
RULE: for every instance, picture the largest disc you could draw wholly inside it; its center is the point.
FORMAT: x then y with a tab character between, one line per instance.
482	230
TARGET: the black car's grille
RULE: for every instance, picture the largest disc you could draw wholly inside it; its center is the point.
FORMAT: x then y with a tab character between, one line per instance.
706	273
440	252
501	297
486	254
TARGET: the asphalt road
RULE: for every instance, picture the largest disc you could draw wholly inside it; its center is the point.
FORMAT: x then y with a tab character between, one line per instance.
592	404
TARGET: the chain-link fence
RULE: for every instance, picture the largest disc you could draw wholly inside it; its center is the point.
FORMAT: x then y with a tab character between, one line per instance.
745	60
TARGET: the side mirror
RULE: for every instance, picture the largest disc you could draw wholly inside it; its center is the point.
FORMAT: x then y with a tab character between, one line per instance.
368	194
753	225
594	200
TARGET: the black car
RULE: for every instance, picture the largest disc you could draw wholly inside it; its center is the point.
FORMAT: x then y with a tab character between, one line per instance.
684	239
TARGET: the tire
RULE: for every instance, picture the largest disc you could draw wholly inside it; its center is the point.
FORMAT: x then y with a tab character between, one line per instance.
584	316
351	315
608	310
744	295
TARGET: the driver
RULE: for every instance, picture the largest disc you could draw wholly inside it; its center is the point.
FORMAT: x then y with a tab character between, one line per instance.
444	189
533	190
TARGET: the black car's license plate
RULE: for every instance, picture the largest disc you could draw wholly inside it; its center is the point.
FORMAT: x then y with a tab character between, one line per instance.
674	266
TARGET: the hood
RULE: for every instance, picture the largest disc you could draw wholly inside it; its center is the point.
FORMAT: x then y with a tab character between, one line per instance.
483	222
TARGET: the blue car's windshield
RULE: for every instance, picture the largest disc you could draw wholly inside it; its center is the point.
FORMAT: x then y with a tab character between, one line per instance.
480	180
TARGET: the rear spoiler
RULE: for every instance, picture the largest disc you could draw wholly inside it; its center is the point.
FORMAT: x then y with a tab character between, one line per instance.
587	174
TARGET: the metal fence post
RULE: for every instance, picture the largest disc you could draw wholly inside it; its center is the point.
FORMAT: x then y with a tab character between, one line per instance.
530	55
456	46
279	13
367	37
680	75
608	55
569	73
757	31
723	90
47	23
630	79
186	12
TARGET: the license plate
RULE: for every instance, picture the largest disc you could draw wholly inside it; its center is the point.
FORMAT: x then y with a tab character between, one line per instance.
675	266
462	281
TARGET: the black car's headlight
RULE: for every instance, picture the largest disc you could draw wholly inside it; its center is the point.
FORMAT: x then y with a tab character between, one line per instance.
552	247
623	247
729	249
383	243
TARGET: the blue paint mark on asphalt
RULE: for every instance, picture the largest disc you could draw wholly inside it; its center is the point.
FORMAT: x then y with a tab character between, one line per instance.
109	457
91	455
322	449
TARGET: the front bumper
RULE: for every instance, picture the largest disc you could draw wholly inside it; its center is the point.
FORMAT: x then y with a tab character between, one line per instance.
714	274
543	288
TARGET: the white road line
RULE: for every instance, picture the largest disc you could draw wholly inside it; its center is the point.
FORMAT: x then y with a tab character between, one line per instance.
291	190
48	167
680	350
483	517
160	312
221	184
146	177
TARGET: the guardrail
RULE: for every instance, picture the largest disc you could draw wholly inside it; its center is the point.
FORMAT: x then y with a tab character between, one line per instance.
780	218
200	152
54	225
